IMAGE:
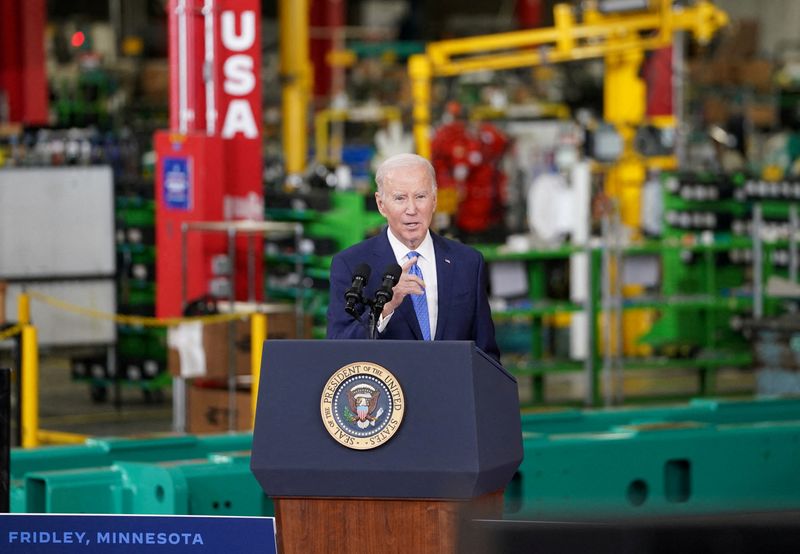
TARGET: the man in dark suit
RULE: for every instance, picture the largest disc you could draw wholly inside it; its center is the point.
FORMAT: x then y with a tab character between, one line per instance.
442	290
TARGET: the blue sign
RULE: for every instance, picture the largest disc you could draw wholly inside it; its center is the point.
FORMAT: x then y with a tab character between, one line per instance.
90	534
177	184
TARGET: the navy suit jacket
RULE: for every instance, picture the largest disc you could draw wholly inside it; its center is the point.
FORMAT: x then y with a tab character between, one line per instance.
461	273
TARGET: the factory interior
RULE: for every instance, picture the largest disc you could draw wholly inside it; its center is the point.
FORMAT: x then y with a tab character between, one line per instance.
177	175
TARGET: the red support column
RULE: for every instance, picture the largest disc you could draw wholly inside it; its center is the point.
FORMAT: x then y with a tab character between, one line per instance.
328	17
238	68
529	13
23	78
210	162
657	72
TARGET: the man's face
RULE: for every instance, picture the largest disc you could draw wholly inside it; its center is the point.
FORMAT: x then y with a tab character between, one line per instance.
407	203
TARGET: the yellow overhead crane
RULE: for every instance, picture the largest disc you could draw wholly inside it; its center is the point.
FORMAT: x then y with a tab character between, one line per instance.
621	39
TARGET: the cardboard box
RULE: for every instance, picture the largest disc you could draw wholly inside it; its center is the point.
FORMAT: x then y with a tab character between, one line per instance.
699	72
216	343
757	74
208	410
723	72
762	115
715	110
154	79
738	41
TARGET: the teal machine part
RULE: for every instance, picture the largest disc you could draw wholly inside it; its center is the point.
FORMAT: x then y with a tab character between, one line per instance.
709	457
706	457
221	485
107	451
100	464
705	410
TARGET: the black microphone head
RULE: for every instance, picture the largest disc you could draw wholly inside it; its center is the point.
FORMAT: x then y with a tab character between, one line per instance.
352	296
392	272
363	271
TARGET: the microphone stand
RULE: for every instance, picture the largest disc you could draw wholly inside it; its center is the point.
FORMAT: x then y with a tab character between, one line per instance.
372	329
375	307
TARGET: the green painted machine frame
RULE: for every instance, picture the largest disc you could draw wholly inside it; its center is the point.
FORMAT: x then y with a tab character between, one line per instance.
705	457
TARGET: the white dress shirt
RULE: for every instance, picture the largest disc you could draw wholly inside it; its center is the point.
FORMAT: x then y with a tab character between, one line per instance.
427	265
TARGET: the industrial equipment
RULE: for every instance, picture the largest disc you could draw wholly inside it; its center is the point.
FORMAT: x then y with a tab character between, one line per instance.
621	39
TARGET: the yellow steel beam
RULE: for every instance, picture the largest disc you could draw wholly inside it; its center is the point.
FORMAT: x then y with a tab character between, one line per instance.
60	437
23	309
296	75
258	334
527	58
323	119
420	72
29	395
620	39
702	19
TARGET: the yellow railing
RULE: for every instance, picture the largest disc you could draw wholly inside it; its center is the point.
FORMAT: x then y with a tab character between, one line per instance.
32	435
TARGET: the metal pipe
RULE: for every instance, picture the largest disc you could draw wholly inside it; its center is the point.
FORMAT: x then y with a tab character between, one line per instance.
758	264
18	406
183	69
232	332
5	438
179	404
184	265
300	325
29	397
588	308
606	307
258	334
208	70
793	226
178	382
678	104
251	269
619	376
115	16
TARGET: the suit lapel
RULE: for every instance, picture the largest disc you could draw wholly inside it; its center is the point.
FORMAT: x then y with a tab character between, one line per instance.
444	279
383	256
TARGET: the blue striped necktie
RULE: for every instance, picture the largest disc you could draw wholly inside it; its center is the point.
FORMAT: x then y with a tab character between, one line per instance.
420	301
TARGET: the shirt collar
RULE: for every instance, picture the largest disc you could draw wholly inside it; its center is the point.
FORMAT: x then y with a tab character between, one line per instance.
425	249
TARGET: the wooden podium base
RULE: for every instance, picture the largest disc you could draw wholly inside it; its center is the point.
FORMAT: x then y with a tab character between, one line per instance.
377	525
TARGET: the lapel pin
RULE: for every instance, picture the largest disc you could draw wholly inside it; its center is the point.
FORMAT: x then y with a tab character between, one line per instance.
448	261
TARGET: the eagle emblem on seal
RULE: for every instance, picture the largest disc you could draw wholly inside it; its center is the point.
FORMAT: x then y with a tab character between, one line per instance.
362	401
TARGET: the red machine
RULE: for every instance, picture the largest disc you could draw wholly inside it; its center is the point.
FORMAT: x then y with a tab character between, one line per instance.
467	160
209	163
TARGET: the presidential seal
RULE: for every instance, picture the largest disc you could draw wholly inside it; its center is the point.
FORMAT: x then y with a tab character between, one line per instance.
362	405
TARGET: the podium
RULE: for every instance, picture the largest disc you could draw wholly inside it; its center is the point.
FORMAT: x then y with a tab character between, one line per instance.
383	445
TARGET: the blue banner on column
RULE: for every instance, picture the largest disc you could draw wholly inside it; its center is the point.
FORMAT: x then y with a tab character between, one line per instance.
89	534
177	184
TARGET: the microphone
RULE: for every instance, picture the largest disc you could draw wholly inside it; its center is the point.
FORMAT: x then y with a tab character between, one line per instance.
391	275
353	295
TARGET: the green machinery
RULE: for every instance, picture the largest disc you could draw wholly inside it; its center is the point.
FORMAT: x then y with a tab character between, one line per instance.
348	221
167	475
141	354
705	457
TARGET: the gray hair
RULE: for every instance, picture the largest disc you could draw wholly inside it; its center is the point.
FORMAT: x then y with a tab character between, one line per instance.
403	161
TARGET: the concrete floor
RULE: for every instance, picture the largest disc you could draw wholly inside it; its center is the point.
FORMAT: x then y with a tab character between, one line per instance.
66	405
